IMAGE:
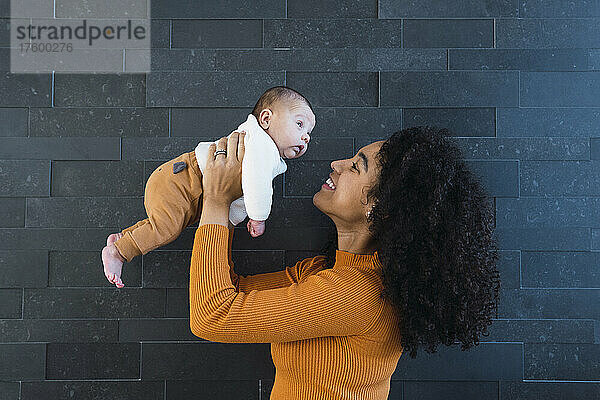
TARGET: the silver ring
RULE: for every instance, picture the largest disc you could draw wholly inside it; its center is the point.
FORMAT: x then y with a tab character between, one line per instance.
220	152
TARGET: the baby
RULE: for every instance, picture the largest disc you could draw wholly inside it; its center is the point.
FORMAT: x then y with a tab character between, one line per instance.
278	128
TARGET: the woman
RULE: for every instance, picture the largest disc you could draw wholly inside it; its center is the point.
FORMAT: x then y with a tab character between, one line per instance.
414	265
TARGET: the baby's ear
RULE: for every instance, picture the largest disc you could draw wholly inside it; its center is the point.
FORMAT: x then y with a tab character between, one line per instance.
264	118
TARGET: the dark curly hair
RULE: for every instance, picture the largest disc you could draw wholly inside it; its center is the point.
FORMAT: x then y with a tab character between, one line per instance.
432	223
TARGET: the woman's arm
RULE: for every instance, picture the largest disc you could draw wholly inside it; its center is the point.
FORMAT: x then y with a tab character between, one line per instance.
338	302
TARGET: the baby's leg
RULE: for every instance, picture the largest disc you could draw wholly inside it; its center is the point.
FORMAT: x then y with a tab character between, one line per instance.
171	202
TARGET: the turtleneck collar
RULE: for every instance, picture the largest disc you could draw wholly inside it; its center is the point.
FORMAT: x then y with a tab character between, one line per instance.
344	259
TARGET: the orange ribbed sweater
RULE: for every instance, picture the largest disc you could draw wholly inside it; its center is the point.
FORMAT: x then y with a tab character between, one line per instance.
331	335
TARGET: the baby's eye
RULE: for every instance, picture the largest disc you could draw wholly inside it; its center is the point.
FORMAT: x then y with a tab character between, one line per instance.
299	124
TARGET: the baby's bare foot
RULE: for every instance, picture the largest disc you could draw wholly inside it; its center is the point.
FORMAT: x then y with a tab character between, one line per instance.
112	260
113	238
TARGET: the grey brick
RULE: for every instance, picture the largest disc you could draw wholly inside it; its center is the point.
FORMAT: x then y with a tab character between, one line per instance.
25	90
560	178
304	178
450	89
53	239
332	33
24	269
4	58
13	122
157	148
317	59
160	33
167	269
352	122
218	9
213	389
24	178
85	269
209	89
22	361
178	303
445	9
560	269
40	330
431	390
171	329
339	89
328	149
12	212
5	25
206	123
111	360
530	212
545	122
174	59
509	267
519	59
559	9
518	390
526	148
459	121
561	361
83	212
549	303
250	262
331	9
363	141
275	238
5	12
448	33
94	303
451	364
99	122
547	33
401	59
97	178
11	303
9	390
594	61
74	9
133	390
221	361
61	148
560	89
542	331
499	178
100	90
543	238
201	33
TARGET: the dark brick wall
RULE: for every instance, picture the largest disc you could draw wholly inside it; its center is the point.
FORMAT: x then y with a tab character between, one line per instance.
517	82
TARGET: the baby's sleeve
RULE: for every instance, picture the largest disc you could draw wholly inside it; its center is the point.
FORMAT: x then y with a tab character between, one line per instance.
258	165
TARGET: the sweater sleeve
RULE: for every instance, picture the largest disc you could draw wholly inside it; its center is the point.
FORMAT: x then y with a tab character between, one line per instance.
328	303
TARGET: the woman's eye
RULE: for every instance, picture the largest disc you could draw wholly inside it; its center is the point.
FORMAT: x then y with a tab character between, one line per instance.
354	165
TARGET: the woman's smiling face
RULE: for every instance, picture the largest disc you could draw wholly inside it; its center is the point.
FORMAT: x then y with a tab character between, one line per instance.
343	197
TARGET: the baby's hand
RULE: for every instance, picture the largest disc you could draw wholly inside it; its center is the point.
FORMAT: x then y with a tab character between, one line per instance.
256	228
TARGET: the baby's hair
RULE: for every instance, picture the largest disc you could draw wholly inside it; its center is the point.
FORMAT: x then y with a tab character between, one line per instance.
276	94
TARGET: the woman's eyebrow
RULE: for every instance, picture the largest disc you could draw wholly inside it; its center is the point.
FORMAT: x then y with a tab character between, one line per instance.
364	159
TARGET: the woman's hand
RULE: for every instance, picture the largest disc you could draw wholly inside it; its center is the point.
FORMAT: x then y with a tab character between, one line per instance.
222	179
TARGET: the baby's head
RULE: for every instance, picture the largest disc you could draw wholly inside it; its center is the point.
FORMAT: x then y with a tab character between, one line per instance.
288	118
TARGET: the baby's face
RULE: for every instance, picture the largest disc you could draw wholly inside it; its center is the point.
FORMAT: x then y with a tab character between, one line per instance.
290	127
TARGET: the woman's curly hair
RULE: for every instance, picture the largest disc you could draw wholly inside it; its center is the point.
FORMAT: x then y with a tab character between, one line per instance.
432	222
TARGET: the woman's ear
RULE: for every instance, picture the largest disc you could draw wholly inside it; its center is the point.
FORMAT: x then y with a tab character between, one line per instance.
264	118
